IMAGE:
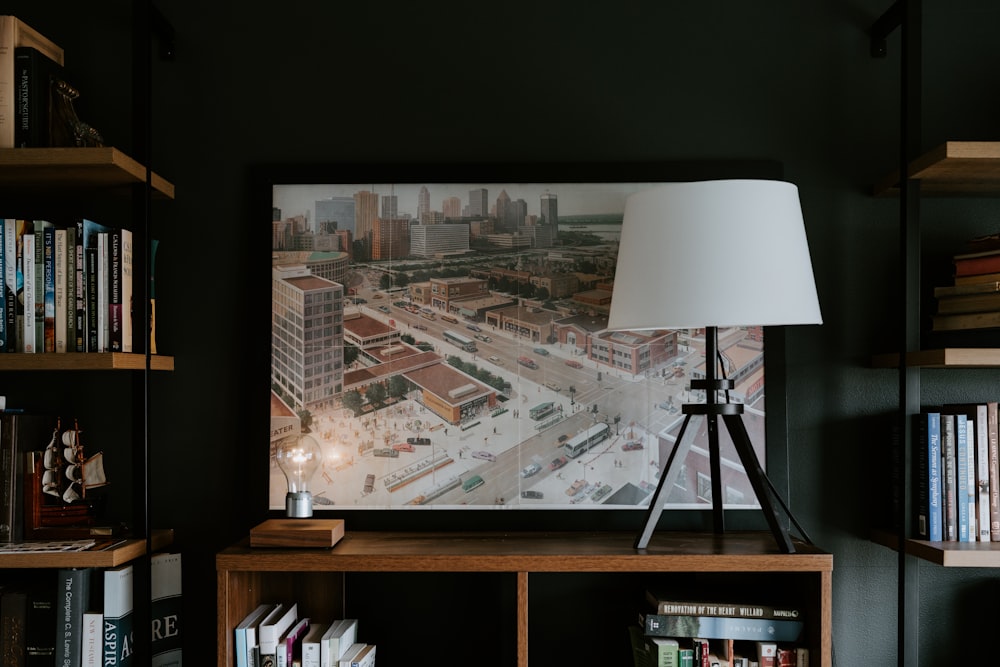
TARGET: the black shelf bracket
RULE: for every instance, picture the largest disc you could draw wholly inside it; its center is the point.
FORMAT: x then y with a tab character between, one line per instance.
883	27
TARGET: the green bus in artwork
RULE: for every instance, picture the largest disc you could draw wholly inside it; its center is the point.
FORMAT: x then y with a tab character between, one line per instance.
473	482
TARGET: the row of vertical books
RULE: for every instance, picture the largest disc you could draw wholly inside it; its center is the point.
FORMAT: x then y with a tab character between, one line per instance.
85	618
278	635
972	300
958	473
67	287
689	633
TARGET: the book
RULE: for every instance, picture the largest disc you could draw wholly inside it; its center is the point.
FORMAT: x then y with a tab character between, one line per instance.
14	33
33	75
290	644
19	433
968	303
127	307
976	288
962	476
49	287
641	650
103	291
767	653
311	644
118	608
59	264
245	634
929	475
993	435
336	640
363	657
40	641
39	285
10	280
962	321
720	627
80	288
982	481
3	280
93	277
13	625
93	639
28	270
166	595
21	228
72	602
70	306
115	291
271	629
949	507
668	606
976	263
664	651
685	657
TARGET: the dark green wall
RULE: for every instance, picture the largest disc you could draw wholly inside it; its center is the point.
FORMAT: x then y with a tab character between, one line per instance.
451	82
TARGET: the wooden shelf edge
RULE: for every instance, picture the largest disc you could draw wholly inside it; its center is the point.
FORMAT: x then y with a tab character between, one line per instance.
83	361
946	357
945	554
91	166
954	168
119	554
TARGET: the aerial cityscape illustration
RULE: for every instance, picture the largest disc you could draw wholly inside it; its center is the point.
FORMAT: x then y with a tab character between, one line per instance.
447	346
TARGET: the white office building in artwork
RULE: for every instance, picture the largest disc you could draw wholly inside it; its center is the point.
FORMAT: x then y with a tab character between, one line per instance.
433	240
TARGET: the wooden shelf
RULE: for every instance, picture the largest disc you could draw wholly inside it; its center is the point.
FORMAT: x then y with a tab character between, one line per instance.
946	554
955	168
45	169
247	576
78	361
947	357
113	556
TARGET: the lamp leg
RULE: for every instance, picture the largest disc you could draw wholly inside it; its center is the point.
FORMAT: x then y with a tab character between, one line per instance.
662	488
762	486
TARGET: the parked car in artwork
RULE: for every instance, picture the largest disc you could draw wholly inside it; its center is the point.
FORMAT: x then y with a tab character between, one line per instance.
631	445
387	452
532	494
557	463
418	441
530	469
573	363
576	487
541	350
484	456
403	447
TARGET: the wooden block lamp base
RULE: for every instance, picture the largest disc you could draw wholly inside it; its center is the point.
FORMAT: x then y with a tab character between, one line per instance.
297	533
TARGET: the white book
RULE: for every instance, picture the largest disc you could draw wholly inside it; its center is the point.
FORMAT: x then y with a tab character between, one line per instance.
126	287
337	640
166	594
970	470
60	273
311	642
363	658
982	474
349	655
271	629
118	614
246	634
286	644
93	639
28	269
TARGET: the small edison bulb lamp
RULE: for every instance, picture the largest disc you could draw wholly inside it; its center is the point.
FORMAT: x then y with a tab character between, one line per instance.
299	457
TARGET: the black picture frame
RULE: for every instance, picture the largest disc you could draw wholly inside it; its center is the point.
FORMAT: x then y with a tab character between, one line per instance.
264	178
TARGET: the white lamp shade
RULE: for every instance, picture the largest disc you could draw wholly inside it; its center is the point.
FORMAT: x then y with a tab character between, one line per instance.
713	253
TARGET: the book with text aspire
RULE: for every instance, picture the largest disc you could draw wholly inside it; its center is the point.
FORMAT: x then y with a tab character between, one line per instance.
118	607
671	606
721	627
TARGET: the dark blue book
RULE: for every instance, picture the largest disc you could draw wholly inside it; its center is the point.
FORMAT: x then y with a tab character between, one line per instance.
72	600
34	73
721	627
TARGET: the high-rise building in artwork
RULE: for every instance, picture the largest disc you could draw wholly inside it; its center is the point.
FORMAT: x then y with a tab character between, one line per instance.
390	206
478	203
452	207
423	202
504	213
390	239
336	209
550	208
432	240
307	363
365	215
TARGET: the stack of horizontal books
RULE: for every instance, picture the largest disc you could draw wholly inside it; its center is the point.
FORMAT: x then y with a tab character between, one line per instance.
692	633
972	301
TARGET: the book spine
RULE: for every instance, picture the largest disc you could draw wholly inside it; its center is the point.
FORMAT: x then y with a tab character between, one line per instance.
90	257
127	306
982	475
59	271
40	640
993	435
103	265
33	76
701	608
977	266
39	307
118	637
93	639
80	293
8	485
970	477
165	609
71	289
115	292
73	597
50	289
720	627
21	227
962	477
10	279
13	624
3	300
15	33
28	261
949	479
933	459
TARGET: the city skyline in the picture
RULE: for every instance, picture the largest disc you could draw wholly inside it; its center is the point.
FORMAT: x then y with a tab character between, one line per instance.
484	376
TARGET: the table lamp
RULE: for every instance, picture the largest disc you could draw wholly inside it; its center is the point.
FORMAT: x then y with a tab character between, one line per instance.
704	255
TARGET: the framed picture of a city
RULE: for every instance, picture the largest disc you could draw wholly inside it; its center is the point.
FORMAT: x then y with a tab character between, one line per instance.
442	334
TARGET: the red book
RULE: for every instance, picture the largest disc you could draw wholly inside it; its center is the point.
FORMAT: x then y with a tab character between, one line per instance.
977	263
